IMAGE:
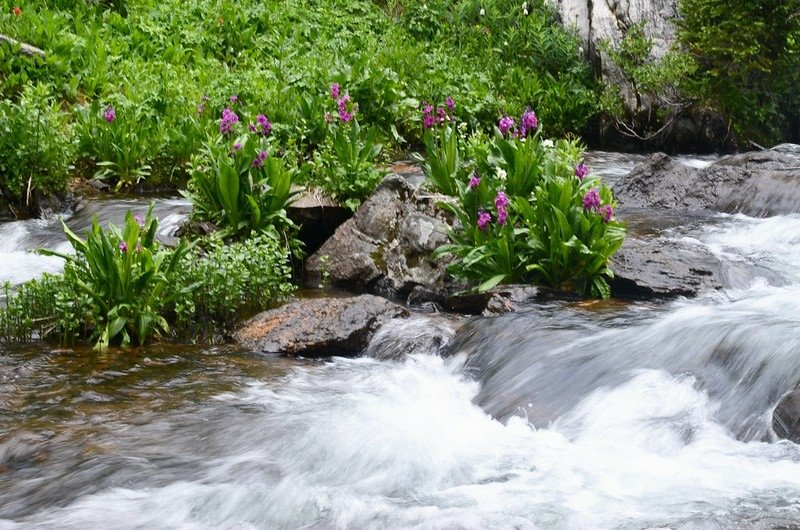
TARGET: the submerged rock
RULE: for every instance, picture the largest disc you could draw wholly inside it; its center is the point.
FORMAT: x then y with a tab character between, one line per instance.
761	184
319	327
496	301
658	268
387	247
786	417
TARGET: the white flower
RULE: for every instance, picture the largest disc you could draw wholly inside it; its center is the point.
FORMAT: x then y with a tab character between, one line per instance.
525	11
548	144
482	12
501	174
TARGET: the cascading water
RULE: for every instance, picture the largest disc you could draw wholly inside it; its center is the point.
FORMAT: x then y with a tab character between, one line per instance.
569	415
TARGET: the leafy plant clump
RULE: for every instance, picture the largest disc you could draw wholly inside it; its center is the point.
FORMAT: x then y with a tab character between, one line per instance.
345	165
122	287
37	145
239	182
123	273
527	209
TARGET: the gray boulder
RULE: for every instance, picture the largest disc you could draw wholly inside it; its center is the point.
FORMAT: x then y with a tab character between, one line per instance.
760	183
660	268
319	327
386	247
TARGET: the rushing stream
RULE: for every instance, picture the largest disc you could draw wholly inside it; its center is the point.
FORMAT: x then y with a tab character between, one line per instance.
570	415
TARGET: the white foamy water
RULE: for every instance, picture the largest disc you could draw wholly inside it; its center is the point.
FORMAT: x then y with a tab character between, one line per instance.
17	263
370	444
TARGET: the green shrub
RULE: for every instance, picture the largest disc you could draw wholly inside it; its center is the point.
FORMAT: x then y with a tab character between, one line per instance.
121	139
45	307
748	58
530	214
228	282
37	145
124	273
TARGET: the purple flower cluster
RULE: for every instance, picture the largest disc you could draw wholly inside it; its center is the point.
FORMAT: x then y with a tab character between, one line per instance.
262	125
528	123
607	212
592	201
259	159
484	220
344	114
109	114
229	118
139	220
346	110
581	171
501	203
505	124
123	247
474	181
433	116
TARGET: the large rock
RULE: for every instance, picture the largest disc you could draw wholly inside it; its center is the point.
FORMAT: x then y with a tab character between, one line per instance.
662	268
386	248
320	327
608	21
317	216
597	21
786	417
760	183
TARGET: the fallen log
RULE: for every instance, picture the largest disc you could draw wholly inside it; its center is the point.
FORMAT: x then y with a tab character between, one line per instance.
26	49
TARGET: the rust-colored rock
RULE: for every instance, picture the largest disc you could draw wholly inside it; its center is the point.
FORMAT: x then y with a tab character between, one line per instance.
319	327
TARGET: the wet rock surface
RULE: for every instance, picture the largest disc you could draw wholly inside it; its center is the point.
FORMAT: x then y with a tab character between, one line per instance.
759	184
387	247
496	301
320	327
658	268
786	417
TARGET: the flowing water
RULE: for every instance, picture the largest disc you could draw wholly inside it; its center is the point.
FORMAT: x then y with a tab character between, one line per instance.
567	415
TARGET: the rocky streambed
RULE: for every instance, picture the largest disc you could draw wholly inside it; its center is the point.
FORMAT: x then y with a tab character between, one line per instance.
517	408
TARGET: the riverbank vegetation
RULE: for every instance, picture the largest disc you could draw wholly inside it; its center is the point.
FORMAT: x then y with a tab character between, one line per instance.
165	67
237	102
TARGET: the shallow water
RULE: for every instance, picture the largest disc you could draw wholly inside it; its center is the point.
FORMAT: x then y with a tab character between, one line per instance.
569	415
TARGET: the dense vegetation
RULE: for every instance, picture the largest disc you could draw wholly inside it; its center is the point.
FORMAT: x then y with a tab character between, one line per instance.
739	59
747	56
157	64
239	101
